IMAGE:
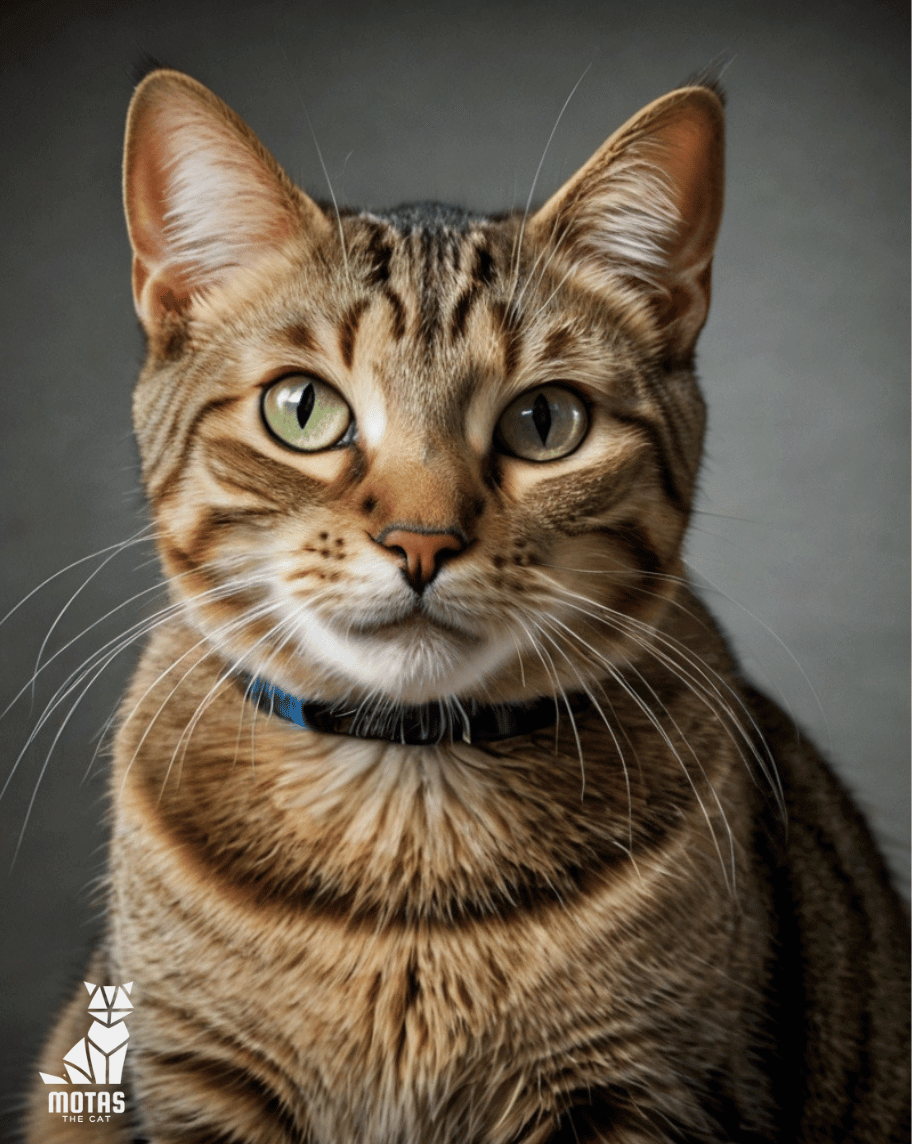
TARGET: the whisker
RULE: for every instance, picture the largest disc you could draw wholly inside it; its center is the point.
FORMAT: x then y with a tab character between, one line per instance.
223	677
538	170
137	538
650	714
563	695
81	680
235	624
614	739
548	665
774	635
103	657
332	193
705	582
648	637
85	631
47	759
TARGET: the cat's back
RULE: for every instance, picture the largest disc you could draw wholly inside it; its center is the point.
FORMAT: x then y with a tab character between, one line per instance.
841	940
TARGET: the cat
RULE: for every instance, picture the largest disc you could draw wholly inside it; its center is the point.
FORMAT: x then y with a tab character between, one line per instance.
98	1057
442	813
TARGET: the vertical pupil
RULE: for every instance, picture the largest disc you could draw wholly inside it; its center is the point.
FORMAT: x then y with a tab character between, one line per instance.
306	404
541	416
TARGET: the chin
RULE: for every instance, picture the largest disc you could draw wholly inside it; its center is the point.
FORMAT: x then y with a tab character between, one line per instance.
411	664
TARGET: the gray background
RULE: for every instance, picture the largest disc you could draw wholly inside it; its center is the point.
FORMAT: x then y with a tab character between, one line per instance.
802	538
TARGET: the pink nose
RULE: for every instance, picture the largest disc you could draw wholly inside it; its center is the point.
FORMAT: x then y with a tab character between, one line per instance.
424	552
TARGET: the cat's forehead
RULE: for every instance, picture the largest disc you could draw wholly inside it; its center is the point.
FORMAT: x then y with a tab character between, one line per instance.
429	317
411	304
433	251
429	218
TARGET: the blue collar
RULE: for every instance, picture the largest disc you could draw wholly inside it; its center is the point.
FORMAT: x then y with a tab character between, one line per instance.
422	724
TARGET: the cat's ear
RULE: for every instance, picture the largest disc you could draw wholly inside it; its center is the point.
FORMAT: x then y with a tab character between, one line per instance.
644	212
202	195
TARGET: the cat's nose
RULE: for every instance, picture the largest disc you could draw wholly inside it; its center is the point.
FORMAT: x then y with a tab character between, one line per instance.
424	552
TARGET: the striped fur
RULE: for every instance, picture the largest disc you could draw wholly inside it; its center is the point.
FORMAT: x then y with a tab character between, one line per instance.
602	931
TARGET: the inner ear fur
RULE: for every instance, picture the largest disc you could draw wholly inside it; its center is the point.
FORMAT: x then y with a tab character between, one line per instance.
643	214
202	195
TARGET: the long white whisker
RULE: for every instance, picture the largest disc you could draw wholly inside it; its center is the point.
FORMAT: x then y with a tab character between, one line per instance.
81	680
85	631
121	641
104	664
548	665
332	193
585	688
648	637
137	538
709	585
563	695
650	714
235	624
514	273
774	635
226	674
87	670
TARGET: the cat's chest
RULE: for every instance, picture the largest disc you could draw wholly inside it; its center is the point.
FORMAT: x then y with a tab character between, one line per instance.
402	943
384	1029
376	1032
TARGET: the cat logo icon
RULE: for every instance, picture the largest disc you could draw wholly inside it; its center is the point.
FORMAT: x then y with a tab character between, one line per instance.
99	1057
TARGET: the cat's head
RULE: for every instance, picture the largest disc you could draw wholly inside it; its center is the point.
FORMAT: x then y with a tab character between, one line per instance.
109	1004
420	454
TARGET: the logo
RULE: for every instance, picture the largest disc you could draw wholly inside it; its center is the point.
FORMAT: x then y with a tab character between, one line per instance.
98	1058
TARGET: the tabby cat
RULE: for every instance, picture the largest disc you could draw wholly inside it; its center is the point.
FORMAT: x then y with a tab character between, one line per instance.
441	811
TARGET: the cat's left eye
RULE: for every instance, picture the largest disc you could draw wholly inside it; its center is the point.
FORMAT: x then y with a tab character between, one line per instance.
306	413
543	424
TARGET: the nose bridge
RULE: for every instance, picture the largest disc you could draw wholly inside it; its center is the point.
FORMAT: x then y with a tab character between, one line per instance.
435	490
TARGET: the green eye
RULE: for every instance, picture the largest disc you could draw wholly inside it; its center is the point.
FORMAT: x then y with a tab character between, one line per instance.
543	424
306	413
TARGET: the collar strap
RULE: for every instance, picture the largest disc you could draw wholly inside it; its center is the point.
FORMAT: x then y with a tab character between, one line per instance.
423	724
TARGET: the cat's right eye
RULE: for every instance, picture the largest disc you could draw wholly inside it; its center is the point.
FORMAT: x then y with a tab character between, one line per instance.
306	413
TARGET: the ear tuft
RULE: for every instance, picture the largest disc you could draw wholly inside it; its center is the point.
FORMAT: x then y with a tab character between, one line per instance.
202	195
145	65
643	214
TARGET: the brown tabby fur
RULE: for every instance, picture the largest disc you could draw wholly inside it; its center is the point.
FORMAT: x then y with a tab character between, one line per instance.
660	919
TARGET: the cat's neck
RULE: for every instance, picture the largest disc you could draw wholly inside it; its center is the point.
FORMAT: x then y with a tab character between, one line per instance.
426	724
395	829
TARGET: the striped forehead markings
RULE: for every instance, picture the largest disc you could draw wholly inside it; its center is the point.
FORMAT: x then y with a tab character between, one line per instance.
439	263
507	321
379	254
483	274
300	336
446	271
348	330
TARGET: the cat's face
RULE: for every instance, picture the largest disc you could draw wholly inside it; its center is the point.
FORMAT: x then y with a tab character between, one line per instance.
419	455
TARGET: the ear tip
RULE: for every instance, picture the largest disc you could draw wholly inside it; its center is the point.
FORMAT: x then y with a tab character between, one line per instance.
696	114
162	84
701	100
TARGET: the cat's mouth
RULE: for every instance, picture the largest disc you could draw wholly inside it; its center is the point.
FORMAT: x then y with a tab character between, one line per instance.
415	622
